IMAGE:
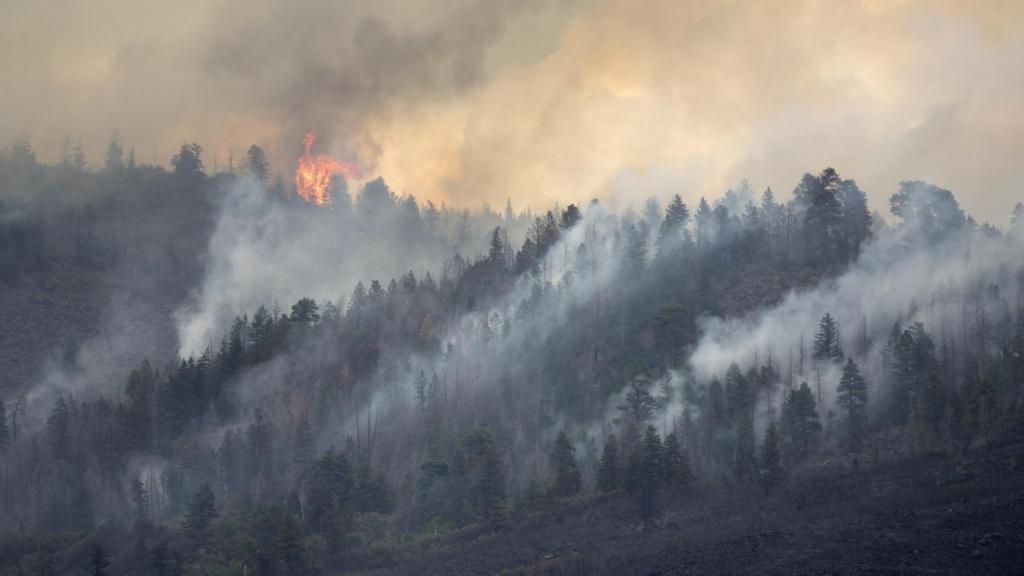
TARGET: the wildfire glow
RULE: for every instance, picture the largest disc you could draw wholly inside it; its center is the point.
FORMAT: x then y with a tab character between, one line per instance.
314	174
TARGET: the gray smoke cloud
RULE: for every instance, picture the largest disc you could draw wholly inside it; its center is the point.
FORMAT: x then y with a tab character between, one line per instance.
891	282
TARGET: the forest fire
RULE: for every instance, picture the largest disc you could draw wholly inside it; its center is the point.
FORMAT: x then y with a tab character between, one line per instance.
314	173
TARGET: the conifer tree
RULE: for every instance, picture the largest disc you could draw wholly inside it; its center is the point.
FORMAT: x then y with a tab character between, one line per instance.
744	459
304	448
772	473
567	472
649	473
98	561
852	400
609	472
5	437
826	342
675	470
800	417
201	512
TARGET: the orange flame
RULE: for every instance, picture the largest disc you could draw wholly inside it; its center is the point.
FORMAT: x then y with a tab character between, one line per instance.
314	174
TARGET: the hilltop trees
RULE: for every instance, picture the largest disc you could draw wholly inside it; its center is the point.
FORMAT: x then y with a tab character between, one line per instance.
114	159
188	160
429	402
257	165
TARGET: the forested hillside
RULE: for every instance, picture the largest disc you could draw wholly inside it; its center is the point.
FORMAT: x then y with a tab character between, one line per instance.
445	376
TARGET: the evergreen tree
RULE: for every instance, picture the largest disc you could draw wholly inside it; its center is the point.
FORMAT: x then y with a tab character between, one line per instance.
567	474
328	493
822	217
304	449
305	312
703	219
492	488
772	473
98	561
649	473
738	397
5	437
188	161
800	417
140	500
675	469
201	512
609	472
744	460
673	227
58	427
114	159
852	400
826	341
257	165
856	222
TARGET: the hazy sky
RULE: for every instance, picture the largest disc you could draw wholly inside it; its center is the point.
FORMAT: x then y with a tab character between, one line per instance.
540	100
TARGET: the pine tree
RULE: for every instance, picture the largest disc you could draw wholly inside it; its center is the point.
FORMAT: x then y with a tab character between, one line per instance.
492	488
772	473
649	473
567	472
823	215
140	500
744	459
800	417
856	220
98	561
852	401
257	165
201	512
673	227
609	472
114	159
5	437
58	427
826	342
304	449
675	469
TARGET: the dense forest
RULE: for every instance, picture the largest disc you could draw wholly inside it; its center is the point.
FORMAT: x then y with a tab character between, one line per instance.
437	372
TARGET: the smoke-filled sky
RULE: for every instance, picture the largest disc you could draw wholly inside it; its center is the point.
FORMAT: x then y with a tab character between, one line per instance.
540	100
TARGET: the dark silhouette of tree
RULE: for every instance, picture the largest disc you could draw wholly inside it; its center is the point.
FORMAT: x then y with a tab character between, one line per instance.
98	562
567	473
744	459
609	472
826	341
5	434
800	417
852	400
675	467
58	427
772	474
256	164
201	512
113	161
649	473
188	160
929	212
856	223
305	312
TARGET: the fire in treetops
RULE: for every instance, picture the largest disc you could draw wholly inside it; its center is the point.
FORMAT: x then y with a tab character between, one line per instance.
314	174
